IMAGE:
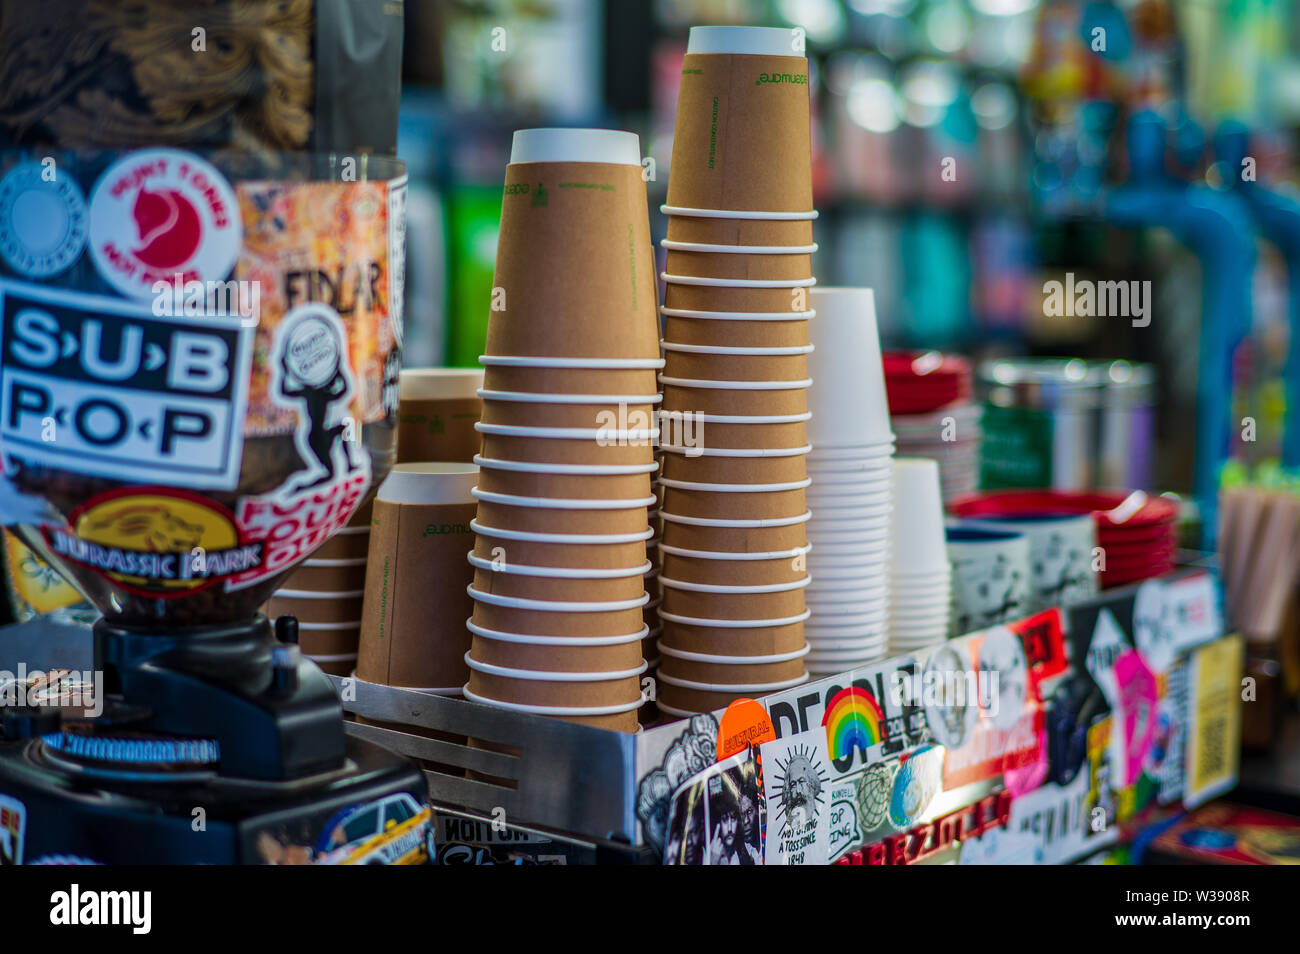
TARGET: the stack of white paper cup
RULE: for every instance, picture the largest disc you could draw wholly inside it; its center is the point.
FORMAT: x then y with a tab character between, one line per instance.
736	348
568	430
850	496
920	588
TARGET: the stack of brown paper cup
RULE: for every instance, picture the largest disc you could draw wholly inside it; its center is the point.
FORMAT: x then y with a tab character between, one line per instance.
325	594
567	465
734	419
436	413
420	529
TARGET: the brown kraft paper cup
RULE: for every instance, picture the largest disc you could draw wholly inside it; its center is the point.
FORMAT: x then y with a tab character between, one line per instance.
792	299
617	722
749	402
735	539
344	546
714	469
743	436
699	700
548	450
777	267
604	556
545	520
541	658
723	572
604	414
565	486
505	619
437	430
700	605
594	381
734	641
538	692
728	333
311	575
575	263
559	589
413	631
330	610
329	642
712	230
742	137
735	367
731	674
762	505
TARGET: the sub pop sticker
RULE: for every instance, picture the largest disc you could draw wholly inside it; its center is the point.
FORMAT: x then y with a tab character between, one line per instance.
102	387
161	213
43	220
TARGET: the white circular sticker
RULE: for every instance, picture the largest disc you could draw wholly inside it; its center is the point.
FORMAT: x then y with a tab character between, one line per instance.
162	213
1004	670
312	349
949	710
42	219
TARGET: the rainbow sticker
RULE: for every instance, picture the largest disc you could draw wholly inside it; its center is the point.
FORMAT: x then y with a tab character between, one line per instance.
853	720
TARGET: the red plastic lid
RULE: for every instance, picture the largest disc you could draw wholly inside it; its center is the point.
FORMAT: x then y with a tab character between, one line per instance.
921	381
1113	510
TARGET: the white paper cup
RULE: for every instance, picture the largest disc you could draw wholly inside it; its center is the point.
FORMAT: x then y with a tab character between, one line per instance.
991	576
919	543
1060	548
848	397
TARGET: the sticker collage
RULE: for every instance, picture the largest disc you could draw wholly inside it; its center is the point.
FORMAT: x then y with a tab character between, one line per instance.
1041	742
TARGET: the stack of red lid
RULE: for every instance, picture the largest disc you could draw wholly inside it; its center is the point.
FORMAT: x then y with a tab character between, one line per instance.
933	416
1136	531
923	381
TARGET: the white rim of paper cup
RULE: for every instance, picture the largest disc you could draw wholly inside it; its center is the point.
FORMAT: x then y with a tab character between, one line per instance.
688	212
535	640
561	503
674	246
733	623
559	572
724	590
567	433
758	41
737	315
569	470
733	488
590	364
742	418
437	384
745	556
744	352
332	657
555	606
735	451
737	282
701	384
739	687
431	483
330	627
731	660
538	397
532	536
537	675
473	696
757	523
318	594
550	144
342	531
335	564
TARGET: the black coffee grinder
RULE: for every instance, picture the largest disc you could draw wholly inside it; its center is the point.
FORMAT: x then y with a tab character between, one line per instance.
198	359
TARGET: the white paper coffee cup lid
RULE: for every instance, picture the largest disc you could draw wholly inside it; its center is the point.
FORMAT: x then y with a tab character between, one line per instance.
438	384
429	483
576	145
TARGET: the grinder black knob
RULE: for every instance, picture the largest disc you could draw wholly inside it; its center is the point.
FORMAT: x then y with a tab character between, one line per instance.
285	655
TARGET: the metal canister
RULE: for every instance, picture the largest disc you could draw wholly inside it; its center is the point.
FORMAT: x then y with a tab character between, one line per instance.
1066	424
